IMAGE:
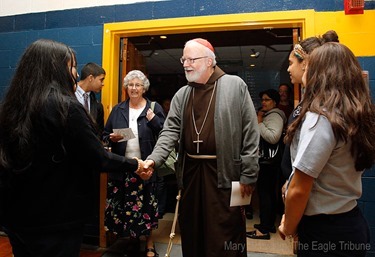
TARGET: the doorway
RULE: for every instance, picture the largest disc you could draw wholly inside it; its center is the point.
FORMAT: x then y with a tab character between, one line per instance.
114	32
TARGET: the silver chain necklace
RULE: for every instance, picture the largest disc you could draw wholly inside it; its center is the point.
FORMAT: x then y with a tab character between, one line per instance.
204	120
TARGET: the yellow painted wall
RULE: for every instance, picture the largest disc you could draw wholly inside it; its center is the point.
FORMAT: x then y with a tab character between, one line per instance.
355	31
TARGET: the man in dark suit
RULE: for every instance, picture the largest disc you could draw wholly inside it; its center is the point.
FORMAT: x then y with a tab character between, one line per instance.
91	82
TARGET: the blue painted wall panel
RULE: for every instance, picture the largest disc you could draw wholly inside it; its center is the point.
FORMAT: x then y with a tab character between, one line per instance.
34	21
370	172
9	41
86	53
6	76
5	58
97	35
16	55
76	36
48	33
6	24
134	12
368	64
96	15
62	19
368	184
167	9
369	212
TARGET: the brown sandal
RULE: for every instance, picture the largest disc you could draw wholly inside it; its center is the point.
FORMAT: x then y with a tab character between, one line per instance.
151	250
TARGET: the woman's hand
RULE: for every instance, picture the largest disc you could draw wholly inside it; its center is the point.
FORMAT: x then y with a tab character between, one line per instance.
115	137
144	172
150	114
283	233
283	190
260	115
281	228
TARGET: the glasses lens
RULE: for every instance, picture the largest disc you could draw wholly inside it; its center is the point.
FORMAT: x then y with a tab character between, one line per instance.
135	85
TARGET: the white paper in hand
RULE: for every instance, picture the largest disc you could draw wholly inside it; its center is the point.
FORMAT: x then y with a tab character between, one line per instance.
235	198
126	133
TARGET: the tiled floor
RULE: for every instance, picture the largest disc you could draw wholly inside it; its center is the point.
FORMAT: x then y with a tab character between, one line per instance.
275	247
256	248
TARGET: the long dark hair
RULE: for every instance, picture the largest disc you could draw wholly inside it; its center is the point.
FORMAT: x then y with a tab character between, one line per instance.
44	72
336	89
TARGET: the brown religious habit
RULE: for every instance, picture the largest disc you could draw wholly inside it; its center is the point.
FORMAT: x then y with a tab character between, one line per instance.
209	227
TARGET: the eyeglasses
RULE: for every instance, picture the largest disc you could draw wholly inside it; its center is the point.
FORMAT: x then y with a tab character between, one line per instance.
136	85
266	99
190	60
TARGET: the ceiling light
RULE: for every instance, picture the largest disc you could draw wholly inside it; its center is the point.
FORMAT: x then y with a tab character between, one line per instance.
163	37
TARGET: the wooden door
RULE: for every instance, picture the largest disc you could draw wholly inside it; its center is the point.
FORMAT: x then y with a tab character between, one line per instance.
131	59
297	87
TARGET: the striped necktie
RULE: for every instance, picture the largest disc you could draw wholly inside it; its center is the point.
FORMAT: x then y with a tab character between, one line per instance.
86	101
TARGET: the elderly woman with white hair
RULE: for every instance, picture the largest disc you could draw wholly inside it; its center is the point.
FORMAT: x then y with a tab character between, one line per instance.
131	209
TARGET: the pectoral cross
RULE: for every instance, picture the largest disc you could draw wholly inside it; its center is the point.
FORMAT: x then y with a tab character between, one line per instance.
198	142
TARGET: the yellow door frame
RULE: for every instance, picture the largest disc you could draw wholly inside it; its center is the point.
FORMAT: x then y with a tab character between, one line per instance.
113	32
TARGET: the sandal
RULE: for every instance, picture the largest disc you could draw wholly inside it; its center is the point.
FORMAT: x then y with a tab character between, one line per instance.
151	250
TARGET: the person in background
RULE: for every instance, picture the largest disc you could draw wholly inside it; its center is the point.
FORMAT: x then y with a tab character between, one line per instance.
286	105
166	104
216	148
271	121
298	59
332	142
91	82
48	152
131	209
286	101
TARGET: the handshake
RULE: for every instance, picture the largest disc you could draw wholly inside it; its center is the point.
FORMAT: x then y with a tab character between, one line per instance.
145	169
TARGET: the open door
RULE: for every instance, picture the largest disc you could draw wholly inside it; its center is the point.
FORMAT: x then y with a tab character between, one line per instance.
297	87
130	59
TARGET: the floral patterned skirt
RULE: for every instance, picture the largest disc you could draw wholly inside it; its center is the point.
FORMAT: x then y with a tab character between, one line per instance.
131	209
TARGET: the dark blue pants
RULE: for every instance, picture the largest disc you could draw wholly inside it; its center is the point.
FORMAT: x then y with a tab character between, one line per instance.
345	234
36	243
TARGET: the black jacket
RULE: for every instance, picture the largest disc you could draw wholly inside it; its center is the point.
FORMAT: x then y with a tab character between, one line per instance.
56	190
97	113
148	131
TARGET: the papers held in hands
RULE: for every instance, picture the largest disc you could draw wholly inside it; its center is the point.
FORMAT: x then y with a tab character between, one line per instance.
126	133
235	198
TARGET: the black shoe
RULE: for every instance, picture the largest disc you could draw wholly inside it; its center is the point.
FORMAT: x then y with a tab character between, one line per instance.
259	227
253	235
